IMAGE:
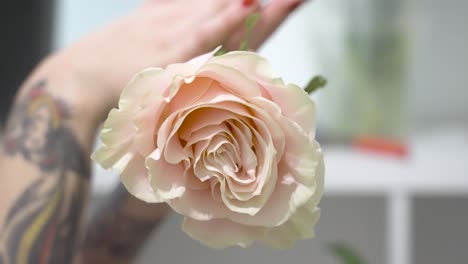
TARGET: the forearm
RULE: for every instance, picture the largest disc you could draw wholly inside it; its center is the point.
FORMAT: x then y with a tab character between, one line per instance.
123	223
44	176
44	173
119	229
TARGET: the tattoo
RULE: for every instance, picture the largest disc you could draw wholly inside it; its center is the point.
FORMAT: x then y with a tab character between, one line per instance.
115	234
42	225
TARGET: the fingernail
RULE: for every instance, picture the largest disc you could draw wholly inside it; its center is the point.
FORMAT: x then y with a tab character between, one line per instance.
247	3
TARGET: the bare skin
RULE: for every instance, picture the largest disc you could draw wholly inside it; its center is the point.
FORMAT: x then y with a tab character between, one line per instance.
44	164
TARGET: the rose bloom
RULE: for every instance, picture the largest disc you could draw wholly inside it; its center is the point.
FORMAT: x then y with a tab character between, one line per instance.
224	143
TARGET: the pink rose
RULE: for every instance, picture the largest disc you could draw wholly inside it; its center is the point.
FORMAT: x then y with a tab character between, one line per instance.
224	143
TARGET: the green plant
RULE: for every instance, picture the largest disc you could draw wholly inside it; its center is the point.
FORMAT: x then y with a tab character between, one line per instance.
345	254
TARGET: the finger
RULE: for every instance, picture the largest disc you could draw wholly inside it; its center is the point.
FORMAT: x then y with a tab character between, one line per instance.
271	18
217	30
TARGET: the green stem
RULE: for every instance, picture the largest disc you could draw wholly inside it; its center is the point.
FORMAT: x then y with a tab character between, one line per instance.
249	27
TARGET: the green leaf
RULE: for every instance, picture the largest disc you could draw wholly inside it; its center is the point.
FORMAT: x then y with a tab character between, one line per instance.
345	254
250	23
314	84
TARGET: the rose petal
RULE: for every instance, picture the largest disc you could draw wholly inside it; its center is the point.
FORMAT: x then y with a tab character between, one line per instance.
212	171
118	131
302	155
216	190
193	182
146	122
249	63
135	179
293	101
203	59
108	157
170	126
116	128
243	137
166	179
289	195
304	161
266	154
116	136
269	114
230	153
199	205
266	181
231	79
201	118
143	88
221	233
299	226
189	94
216	142
295	104
204	136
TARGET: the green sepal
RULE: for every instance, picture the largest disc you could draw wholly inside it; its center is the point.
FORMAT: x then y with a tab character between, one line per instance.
315	83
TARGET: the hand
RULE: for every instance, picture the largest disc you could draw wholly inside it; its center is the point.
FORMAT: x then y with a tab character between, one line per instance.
158	33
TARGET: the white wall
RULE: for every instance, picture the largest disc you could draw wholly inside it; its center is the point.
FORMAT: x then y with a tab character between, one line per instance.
76	18
439	72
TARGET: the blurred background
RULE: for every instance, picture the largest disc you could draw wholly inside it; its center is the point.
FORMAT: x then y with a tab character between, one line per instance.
393	122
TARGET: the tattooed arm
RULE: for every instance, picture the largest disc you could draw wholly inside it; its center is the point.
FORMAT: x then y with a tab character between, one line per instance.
44	182
44	177
119	229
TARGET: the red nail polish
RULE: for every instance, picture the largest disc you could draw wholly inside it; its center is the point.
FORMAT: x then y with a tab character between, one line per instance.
247	3
295	4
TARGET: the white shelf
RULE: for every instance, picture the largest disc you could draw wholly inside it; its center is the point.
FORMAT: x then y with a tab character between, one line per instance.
437	164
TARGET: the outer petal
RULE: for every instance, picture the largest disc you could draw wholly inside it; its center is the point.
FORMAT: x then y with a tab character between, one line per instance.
221	233
166	179
135	179
302	155
116	136
112	158
203	59
231	79
303	158
143	88
295	104
249	63
299	226
199	205
118	132
145	123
